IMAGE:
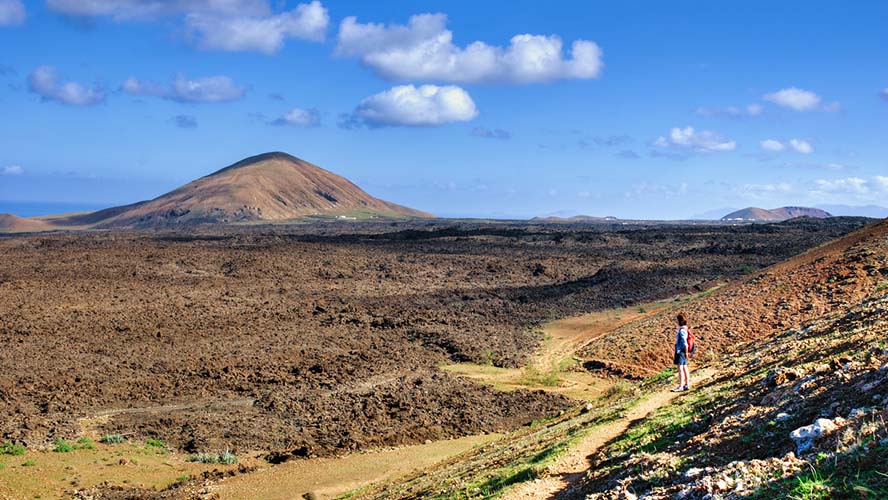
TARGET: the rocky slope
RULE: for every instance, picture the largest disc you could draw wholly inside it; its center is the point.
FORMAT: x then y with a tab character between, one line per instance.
832	277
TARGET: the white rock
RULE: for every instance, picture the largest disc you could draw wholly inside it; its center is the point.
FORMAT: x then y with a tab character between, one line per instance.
693	472
804	436
782	416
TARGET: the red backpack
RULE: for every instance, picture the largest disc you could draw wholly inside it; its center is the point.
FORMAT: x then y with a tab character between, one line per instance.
692	342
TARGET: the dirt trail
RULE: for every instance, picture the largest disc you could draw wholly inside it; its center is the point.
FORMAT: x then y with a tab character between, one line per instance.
330	477
563	476
551	367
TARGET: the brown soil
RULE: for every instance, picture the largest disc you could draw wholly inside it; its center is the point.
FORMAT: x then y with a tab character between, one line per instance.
308	343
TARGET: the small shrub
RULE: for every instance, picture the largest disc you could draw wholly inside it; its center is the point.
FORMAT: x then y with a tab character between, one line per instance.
112	439
183	478
29	463
155	443
62	446
204	458
85	443
748	269
226	458
618	389
12	449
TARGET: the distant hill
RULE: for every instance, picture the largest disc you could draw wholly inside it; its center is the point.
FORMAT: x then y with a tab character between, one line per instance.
14	224
575	218
267	187
755	214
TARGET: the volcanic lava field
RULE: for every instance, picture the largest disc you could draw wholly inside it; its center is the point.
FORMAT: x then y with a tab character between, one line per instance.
318	339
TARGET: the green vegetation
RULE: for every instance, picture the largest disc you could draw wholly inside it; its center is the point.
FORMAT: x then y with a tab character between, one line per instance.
112	439
12	449
748	269
155	443
882	286
183	478
85	443
862	473
29	463
63	446
225	458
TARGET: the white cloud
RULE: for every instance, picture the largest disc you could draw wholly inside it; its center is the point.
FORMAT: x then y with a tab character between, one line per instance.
703	141
300	117
801	146
772	145
748	111
795	99
424	50
427	105
884	93
260	34
764	190
880	183
12	13
229	25
209	89
848	185
12	170
44	82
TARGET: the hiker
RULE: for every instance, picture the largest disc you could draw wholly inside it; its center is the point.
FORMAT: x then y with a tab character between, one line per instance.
682	353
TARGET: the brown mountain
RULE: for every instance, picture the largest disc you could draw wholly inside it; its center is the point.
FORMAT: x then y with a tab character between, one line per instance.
755	214
268	187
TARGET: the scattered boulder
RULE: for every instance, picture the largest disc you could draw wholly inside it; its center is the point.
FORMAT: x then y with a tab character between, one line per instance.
804	436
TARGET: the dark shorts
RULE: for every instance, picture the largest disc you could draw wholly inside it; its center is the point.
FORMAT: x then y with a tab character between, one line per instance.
680	358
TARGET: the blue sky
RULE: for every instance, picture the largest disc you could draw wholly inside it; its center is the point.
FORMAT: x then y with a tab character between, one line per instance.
486	109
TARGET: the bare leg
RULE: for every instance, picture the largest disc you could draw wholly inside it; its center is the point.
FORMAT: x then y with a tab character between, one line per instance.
685	374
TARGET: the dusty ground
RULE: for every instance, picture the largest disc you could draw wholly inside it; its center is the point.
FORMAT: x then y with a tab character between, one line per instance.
309	342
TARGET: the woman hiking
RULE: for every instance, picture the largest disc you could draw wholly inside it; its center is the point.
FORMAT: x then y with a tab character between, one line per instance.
682	352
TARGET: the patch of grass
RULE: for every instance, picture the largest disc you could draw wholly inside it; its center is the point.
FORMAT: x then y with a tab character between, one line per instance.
62	446
155	443
618	389
29	463
85	443
12	449
532	376
748	269
882	286
183	478
666	374
112	439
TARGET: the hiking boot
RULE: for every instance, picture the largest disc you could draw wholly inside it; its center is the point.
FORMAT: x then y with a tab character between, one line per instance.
685	388
678	389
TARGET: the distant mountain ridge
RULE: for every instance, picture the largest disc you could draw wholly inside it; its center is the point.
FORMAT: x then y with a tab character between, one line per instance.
575	218
267	187
755	214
